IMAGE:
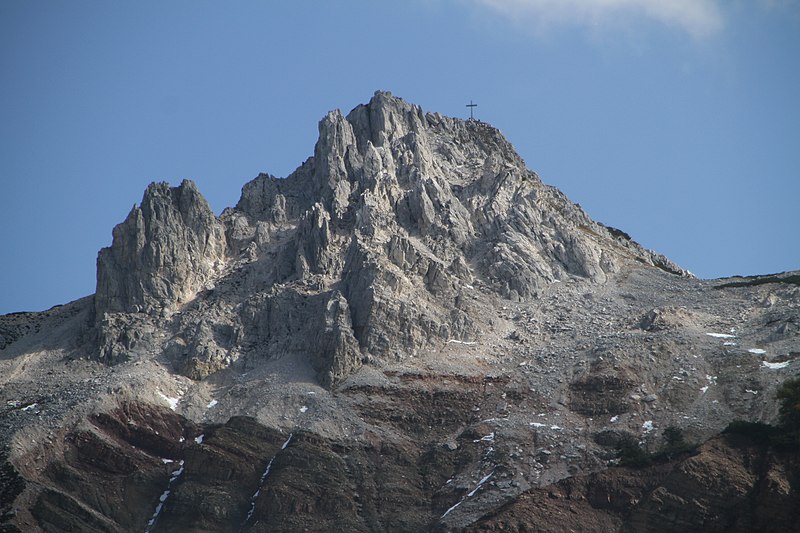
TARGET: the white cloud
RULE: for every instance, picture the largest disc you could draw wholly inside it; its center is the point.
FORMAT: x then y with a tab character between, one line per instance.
698	18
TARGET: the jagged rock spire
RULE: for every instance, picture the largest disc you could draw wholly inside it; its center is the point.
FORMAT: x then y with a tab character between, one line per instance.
374	240
163	252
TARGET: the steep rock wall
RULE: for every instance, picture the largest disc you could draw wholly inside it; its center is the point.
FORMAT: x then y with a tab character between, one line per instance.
400	211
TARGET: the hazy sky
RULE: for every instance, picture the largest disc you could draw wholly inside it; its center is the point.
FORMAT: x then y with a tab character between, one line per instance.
677	121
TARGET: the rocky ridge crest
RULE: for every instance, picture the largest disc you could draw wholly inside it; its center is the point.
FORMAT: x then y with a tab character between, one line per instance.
376	242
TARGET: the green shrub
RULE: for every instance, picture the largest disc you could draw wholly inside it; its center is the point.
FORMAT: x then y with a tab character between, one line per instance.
784	436
789	413
753	281
757	431
675	443
631	454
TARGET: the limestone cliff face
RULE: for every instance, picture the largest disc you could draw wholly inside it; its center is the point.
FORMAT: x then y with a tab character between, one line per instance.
162	254
404	212
165	251
395	219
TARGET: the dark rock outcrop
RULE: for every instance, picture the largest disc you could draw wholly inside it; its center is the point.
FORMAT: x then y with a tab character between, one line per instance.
730	484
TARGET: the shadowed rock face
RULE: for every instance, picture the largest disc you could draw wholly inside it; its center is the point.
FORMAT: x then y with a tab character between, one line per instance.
111	474
103	474
729	485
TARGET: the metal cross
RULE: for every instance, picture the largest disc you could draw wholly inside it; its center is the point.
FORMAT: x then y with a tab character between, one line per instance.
470	105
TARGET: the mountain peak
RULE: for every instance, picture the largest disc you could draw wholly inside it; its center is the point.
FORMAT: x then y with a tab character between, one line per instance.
411	309
385	119
395	215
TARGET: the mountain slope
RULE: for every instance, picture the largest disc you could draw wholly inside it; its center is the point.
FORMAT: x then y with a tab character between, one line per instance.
410	332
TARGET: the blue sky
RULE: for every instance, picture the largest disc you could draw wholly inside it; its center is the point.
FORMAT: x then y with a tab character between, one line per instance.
678	122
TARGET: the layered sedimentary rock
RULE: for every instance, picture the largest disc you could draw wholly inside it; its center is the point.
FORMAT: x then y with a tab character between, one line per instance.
167	249
727	485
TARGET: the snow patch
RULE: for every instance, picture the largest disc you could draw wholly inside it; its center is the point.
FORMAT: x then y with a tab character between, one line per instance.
537	424
470	494
775	366
647	427
199	439
261	482
721	335
303	409
173	402
704	389
757	351
480	483
211	404
614	418
447	512
177	473
751	391
163	498
466	343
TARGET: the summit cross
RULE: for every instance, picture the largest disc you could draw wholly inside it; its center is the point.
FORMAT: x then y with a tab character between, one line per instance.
470	105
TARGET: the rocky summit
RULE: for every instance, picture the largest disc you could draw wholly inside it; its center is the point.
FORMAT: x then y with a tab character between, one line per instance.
411	332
